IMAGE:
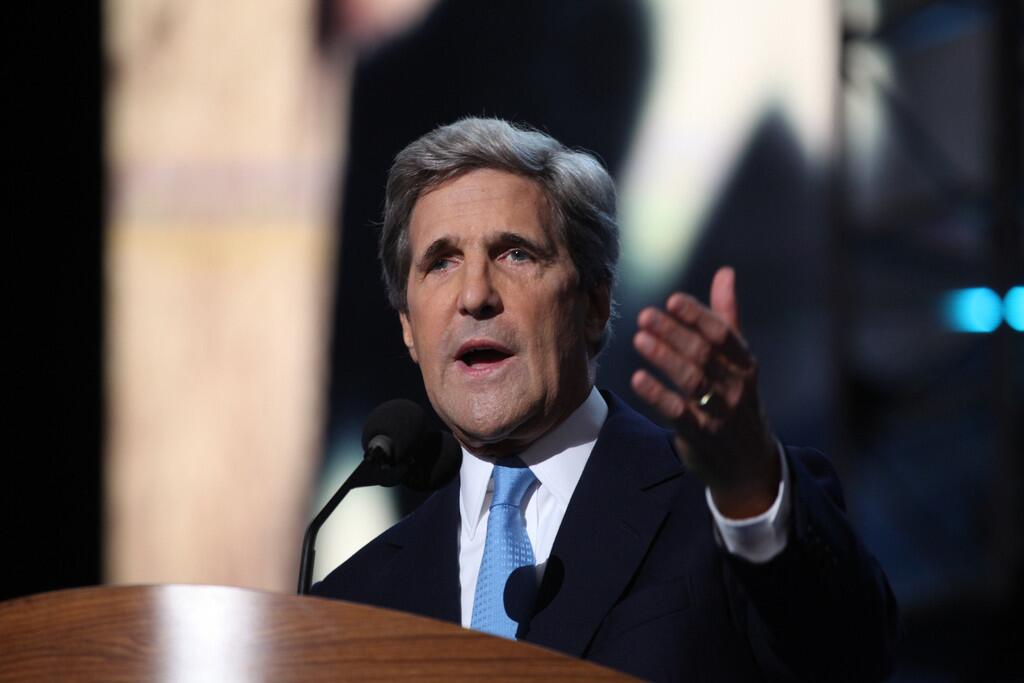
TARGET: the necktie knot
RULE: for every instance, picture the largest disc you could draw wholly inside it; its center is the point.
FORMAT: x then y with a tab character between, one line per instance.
511	482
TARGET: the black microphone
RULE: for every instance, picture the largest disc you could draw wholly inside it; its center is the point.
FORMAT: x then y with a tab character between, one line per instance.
391	439
524	598
399	447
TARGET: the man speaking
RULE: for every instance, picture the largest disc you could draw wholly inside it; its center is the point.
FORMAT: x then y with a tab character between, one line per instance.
705	552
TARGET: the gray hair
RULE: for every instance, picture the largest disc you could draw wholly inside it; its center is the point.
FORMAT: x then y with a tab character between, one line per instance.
580	194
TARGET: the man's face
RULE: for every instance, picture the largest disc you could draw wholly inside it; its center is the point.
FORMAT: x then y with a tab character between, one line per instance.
496	319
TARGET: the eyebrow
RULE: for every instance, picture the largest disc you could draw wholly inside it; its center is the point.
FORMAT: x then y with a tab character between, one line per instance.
437	247
543	251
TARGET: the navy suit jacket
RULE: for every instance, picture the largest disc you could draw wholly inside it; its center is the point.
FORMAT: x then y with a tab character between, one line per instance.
637	581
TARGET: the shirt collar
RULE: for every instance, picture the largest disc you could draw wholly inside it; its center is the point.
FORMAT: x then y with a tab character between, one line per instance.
571	441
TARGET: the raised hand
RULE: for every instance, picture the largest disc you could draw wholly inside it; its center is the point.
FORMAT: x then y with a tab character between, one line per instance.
710	397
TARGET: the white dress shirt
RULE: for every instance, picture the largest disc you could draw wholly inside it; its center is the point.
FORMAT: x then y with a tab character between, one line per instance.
557	460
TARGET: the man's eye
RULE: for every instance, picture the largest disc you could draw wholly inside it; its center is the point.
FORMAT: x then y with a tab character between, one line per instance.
441	264
519	255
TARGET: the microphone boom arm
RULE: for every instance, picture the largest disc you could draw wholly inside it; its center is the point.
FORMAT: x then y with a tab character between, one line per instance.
363	475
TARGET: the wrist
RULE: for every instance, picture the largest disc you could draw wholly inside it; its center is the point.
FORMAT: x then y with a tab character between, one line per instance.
752	495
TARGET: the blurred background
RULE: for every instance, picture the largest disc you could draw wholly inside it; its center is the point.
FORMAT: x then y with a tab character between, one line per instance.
200	327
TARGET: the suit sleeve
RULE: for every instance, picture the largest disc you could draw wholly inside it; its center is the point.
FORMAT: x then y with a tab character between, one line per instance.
822	609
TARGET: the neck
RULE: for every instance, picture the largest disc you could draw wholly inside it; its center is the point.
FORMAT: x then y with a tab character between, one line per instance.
524	435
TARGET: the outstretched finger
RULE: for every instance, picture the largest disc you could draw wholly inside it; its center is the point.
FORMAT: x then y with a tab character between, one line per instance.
723	297
667	402
686	340
723	338
686	374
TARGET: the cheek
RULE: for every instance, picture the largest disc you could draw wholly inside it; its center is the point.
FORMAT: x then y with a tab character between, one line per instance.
563	335
427	335
571	315
430	353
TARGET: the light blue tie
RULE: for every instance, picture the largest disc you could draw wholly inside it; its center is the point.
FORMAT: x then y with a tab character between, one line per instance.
507	548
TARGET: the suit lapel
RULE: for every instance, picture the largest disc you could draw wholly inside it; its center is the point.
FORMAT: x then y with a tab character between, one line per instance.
423	575
619	504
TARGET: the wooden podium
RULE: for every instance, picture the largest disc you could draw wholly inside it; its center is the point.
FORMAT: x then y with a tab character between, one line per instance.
216	633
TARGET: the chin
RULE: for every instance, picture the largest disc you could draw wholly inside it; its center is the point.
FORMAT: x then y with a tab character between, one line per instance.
488	431
484	426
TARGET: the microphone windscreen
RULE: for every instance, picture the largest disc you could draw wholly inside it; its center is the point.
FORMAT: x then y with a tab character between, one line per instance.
434	463
520	596
401	420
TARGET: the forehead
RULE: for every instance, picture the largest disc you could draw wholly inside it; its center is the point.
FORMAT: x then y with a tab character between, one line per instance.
476	204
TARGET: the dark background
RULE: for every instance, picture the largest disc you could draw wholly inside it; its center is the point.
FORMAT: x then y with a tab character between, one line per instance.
53	275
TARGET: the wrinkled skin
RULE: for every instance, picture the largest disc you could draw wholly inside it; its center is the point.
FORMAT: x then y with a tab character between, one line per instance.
488	273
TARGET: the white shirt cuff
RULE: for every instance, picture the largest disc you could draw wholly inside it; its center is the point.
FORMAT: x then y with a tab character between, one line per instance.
757	539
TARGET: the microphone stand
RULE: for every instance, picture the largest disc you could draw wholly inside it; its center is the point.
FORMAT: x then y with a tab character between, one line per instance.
366	474
387	464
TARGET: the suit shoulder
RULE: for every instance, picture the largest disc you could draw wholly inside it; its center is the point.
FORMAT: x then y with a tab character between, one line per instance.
350	579
357	577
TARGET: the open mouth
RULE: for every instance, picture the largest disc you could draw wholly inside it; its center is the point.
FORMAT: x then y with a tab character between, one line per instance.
483	357
482	354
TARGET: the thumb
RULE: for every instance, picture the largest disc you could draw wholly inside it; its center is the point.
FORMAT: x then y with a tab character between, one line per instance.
723	297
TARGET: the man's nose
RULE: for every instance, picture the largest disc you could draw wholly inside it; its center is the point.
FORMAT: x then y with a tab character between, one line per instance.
479	297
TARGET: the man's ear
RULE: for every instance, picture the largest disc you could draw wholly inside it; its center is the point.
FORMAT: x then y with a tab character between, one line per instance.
407	336
599	307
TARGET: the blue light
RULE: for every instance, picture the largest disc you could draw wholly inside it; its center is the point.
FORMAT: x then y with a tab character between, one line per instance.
976	309
1013	308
